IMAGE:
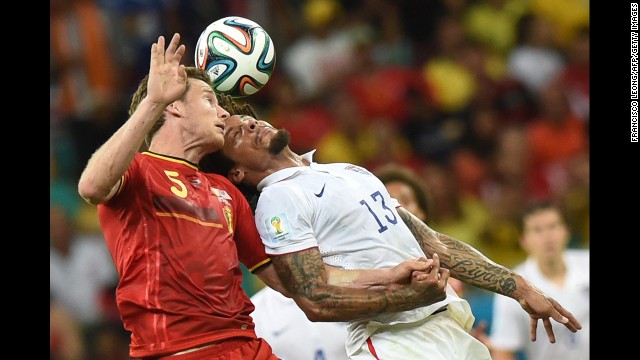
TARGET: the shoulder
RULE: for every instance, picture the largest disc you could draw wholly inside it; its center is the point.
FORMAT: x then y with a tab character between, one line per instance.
577	255
285	189
219	182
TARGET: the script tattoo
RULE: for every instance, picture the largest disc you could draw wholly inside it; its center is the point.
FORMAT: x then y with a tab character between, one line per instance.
464	262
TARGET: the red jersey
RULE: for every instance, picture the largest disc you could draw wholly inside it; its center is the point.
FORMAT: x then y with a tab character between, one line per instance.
176	236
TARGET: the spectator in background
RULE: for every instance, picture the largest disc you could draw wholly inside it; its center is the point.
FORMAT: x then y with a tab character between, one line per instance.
405	186
86	80
85	67
493	23
557	271
308	120
576	74
554	137
80	269
567	16
535	60
322	54
65	334
575	200
459	216
358	140
291	334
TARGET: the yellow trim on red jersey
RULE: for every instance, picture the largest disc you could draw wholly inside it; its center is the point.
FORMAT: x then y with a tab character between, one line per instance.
171	158
260	264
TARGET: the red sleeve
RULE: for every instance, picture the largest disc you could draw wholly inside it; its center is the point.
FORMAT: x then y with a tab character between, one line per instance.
127	182
250	248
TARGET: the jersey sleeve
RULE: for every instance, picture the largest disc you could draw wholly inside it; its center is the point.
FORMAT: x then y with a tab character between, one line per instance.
250	249
127	184
283	218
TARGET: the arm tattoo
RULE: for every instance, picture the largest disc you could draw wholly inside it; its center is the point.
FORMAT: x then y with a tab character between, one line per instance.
463	261
304	276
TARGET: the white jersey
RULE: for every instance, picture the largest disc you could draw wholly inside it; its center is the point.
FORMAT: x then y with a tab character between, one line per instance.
292	336
510	325
347	213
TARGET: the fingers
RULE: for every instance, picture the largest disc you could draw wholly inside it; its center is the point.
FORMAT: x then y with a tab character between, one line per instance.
549	329
563	314
442	272
174	51
173	44
157	51
533	328
421	264
434	271
443	276
436	260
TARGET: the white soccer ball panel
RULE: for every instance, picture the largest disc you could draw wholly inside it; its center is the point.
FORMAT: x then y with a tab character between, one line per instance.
239	56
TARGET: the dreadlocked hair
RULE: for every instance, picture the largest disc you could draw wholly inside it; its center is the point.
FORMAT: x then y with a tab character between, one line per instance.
218	163
233	108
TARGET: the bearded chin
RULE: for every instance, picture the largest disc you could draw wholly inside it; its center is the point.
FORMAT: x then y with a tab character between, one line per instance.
279	142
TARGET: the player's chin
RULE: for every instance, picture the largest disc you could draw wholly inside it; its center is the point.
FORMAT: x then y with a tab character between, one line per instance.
216	142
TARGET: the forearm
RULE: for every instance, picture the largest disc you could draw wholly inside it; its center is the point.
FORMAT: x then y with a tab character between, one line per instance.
269	276
464	262
333	303
361	279
304	276
107	165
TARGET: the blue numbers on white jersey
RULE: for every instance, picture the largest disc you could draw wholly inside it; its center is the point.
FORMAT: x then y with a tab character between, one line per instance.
384	211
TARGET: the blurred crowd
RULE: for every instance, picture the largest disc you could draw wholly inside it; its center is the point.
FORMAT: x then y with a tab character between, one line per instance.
487	101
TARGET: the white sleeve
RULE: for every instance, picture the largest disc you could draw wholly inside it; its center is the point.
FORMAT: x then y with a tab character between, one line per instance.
510	324
284	220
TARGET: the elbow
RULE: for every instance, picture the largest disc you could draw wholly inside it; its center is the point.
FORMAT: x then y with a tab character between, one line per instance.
315	312
317	318
90	192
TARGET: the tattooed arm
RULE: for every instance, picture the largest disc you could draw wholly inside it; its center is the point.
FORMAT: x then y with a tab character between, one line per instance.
463	261
304	276
470	266
379	279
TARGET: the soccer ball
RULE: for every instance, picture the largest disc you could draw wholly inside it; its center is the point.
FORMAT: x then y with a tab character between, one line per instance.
238	54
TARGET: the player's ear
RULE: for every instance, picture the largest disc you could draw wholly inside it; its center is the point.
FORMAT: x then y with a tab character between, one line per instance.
236	175
173	108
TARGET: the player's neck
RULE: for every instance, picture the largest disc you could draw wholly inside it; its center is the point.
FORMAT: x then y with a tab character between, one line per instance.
170	144
554	269
290	159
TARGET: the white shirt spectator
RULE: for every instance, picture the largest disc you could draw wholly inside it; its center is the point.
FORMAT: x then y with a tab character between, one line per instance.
291	334
510	326
77	280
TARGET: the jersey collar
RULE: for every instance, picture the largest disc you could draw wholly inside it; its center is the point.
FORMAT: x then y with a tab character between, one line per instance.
285	173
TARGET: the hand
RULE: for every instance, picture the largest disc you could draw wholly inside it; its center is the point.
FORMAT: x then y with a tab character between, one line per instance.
431	285
167	77
401	274
540	306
